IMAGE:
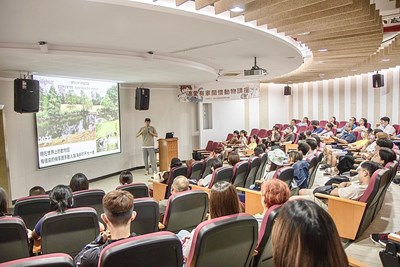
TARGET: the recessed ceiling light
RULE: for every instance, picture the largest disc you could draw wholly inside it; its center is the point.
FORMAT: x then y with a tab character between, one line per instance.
321	75
303	33
237	9
353	70
323	50
320	61
386	59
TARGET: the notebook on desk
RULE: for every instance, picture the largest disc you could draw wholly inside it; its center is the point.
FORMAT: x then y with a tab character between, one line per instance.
169	135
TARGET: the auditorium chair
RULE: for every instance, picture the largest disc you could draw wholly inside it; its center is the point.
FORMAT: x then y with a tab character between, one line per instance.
32	209
262	133
185	210
397	127
224	241
221	174
147	216
229	136
137	189
196	170
263	165
341	124
353	217
49	260
207	167
89	198
240	173
269	133
254	165
280	126
285	174
263	255
392	166
70	231
163	191
13	239
322	123
283	127
313	173
390	257
207	149
155	249
302	129
255	131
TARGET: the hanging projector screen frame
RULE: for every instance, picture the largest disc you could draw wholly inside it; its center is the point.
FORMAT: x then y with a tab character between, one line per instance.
70	152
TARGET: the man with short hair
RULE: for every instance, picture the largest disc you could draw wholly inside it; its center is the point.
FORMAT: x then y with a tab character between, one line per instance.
180	184
118	214
148	133
385	126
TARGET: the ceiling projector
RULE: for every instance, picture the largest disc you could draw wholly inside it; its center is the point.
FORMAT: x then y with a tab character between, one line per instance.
255	70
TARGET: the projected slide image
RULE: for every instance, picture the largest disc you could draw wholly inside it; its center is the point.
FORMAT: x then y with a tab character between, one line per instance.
77	119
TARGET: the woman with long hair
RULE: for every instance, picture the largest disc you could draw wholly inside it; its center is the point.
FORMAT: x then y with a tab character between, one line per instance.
223	201
304	235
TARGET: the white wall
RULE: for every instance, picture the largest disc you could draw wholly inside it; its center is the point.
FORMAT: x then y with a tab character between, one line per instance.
166	112
273	105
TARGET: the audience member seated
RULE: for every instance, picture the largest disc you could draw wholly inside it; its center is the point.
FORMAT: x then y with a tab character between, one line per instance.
308	133
180	184
305	235
386	127
215	164
289	136
37	191
332	120
316	128
118	214
125	177
327	132
274	138
242	138
369	149
273	192
320	145
276	158
304	148
362	125
349	190
253	142
301	170
352	121
223	201
294	129
79	182
162	177
313	148
304	122
234	140
216	152
302	136
367	138
258	150
233	158
346	136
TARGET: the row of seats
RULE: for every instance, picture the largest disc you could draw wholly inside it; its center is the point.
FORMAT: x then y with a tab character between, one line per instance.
210	246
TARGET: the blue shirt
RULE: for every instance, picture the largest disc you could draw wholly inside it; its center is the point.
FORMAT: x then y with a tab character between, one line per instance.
318	130
349	137
301	173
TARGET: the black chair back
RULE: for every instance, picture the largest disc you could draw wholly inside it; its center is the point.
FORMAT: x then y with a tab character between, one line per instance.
70	231
207	167
197	170
147	216
13	239
263	165
251	176
138	190
49	260
185	210
240	171
216	242
89	198
32	209
285	174
155	249
175	172
221	174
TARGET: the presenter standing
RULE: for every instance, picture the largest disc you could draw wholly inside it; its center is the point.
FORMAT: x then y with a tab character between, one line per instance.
148	133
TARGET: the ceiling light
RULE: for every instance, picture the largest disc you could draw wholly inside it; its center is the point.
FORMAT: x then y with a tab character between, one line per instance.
303	33
323	50
237	9
386	59
320	61
353	70
321	75
43	47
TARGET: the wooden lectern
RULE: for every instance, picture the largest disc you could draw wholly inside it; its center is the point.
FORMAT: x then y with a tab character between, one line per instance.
168	149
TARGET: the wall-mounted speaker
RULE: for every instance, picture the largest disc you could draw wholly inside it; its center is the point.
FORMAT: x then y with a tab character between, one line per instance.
287	90
26	95
142	99
377	80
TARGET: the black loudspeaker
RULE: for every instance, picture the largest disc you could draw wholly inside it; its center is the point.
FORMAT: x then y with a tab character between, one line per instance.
377	80
142	98
287	90
26	95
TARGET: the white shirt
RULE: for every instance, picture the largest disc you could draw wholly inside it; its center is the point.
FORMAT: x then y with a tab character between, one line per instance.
354	191
389	129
